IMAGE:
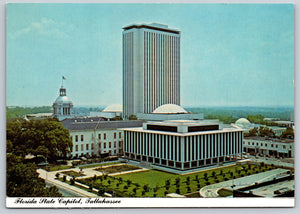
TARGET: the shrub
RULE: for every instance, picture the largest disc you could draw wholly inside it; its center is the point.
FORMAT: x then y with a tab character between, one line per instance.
57	175
72	181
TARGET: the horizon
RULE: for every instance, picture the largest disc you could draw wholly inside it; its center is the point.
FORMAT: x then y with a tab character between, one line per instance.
231	55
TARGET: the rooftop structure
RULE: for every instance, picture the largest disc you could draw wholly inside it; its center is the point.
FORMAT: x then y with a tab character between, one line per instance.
94	123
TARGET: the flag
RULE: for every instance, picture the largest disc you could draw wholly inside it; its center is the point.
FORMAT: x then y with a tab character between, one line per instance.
64	78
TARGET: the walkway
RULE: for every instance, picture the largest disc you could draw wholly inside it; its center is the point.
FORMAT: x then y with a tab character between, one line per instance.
49	177
211	191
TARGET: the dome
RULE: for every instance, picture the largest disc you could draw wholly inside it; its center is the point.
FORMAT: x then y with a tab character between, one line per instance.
169	109
63	100
242	122
113	108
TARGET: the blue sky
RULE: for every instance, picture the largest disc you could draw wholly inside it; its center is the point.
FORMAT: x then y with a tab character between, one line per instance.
231	54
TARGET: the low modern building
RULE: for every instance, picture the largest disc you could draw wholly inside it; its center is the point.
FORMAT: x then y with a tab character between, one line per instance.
182	144
95	136
269	146
169	112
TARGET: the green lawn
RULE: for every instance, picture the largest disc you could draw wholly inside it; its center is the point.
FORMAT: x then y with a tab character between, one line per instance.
224	193
133	184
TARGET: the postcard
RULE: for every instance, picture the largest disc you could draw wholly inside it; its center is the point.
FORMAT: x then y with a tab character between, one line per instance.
149	105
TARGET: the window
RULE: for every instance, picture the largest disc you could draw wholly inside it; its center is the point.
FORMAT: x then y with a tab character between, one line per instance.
87	146
266	145
81	147
115	144
120	134
109	144
115	151
76	148
256	144
104	145
104	136
261	144
120	144
276	146
248	143
99	136
283	146
252	143
76	138
272	145
115	135
92	146
81	137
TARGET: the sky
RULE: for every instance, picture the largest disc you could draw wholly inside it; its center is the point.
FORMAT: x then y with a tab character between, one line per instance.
231	54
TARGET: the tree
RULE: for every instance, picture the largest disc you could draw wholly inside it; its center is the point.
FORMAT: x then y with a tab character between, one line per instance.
252	132
132	117
22	180
265	132
39	137
288	133
117	118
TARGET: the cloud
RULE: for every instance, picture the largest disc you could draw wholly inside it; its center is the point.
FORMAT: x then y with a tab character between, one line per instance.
44	28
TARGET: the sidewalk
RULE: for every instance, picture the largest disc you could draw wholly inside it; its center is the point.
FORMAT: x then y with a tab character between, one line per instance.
50	177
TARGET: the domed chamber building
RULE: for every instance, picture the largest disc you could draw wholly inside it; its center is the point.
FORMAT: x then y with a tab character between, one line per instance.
63	106
169	112
109	112
243	123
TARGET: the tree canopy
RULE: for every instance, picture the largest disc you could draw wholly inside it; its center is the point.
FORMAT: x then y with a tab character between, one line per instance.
288	133
38	137
22	180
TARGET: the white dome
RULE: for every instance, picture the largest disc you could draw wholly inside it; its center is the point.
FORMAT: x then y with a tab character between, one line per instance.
169	109
62	100
243	123
113	108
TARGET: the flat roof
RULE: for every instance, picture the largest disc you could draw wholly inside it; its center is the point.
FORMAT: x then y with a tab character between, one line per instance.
100	124
224	130
182	123
153	26
269	139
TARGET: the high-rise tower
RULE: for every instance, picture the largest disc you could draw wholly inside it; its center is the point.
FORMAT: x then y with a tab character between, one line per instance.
151	67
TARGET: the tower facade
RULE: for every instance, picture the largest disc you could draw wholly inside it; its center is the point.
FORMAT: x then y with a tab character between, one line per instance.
63	106
151	68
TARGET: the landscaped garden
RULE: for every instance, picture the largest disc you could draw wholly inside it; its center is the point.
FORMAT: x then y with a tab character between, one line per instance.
73	173
117	168
154	183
